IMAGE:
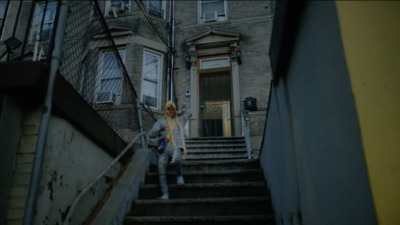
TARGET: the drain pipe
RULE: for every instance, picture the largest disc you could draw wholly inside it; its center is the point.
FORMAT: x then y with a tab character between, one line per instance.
30	207
171	50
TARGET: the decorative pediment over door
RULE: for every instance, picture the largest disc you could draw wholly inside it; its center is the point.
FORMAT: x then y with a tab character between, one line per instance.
213	42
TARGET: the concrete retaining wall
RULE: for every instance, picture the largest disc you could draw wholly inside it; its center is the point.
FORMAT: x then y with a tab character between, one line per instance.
71	161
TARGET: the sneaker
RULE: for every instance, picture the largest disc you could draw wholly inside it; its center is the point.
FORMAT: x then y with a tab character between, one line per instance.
164	197
179	181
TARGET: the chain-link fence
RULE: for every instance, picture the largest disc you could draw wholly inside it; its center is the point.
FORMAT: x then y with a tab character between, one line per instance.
93	64
91	61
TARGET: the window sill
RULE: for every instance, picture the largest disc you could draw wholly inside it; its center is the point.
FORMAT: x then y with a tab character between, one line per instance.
213	22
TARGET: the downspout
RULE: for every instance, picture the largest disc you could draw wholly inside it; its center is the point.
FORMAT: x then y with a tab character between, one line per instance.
171	51
30	207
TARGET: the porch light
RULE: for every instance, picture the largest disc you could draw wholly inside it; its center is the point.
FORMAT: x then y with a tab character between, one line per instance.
239	57
187	60
12	43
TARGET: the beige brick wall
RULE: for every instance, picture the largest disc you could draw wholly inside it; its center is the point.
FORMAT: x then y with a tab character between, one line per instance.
23	167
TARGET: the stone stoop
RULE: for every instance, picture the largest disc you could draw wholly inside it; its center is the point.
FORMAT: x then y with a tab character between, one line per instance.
216	148
218	190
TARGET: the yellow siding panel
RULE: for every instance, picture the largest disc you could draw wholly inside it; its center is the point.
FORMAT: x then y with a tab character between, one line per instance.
371	40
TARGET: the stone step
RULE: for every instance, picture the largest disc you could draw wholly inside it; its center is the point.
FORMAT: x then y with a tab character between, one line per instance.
216	148
208	150
216	157
214	142
216	154
211	165
207	139
222	186
206	190
202	206
220	176
202	220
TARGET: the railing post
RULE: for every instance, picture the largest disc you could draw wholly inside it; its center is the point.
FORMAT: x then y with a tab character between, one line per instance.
248	147
245	128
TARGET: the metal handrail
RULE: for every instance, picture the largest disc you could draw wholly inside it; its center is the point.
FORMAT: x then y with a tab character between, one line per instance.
245	128
87	188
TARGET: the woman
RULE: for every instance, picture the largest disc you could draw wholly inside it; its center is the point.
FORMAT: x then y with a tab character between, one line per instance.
170	129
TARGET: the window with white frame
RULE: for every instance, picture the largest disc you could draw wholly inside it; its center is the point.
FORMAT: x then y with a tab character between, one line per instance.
151	77
3	11
109	84
42	26
212	10
115	7
156	8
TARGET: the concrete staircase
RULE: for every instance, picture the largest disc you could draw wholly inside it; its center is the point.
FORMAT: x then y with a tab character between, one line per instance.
221	186
219	148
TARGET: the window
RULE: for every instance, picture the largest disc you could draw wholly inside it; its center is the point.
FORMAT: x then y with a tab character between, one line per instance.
212	10
214	63
156	8
109	86
45	24
151	74
3	11
115	7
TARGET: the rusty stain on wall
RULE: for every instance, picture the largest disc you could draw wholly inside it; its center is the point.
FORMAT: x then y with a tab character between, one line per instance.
108	179
64	214
50	184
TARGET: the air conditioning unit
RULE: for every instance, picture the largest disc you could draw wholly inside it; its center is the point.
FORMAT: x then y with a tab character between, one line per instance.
119	7
106	97
210	16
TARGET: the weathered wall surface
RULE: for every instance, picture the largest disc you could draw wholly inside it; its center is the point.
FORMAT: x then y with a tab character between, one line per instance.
313	154
71	161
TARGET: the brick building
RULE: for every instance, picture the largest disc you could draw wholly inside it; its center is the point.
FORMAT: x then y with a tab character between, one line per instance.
227	46
220	57
115	67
